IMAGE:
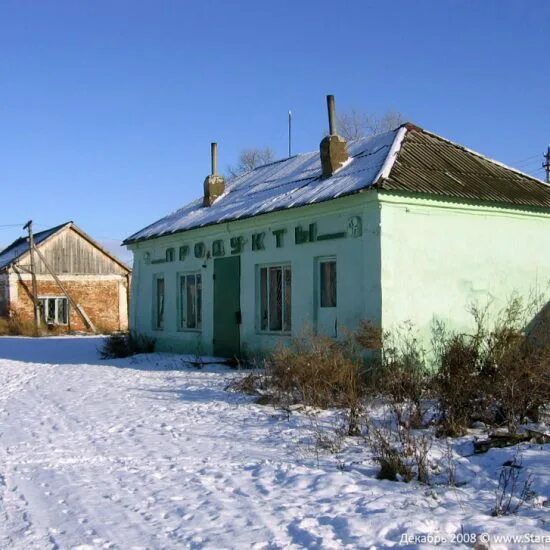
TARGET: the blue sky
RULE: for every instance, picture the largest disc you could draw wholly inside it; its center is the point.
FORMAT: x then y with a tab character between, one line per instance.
107	109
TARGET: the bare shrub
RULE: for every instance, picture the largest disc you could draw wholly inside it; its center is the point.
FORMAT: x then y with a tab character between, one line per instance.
401	453
450	464
126	344
498	374
369	336
460	390
401	375
513	490
319	371
327	435
251	384
521	383
393	463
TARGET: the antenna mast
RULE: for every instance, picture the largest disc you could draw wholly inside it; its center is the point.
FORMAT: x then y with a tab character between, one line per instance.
289	134
546	165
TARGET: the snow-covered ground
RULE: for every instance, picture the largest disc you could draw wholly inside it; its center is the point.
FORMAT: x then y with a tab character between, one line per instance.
152	453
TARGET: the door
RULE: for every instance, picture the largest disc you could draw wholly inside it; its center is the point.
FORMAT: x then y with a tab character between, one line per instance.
327	297
227	306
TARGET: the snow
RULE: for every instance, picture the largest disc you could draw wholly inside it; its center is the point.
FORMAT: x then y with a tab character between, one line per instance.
288	183
392	155
150	452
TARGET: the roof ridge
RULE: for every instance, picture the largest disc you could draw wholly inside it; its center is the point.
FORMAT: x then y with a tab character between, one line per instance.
393	153
15	243
55	228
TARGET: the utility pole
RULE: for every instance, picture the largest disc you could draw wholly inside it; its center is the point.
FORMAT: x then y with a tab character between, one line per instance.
36	309
546	165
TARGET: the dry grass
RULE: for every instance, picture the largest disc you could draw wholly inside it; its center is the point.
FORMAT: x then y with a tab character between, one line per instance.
14	325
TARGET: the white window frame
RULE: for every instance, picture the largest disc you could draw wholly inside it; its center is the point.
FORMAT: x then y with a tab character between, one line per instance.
286	328
320	262
182	301
43	302
155	302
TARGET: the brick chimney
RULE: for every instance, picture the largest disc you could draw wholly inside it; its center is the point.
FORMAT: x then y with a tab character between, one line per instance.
334	148
214	184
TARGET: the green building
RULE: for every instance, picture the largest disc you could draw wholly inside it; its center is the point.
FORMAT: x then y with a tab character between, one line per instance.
404	226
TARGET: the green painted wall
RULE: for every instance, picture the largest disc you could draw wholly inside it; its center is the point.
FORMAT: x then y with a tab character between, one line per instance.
438	257
417	258
358	260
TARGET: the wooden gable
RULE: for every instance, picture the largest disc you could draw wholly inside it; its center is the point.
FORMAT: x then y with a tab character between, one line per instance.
71	252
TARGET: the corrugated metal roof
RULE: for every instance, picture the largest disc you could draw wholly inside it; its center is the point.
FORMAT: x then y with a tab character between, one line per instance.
430	164
407	159
19	247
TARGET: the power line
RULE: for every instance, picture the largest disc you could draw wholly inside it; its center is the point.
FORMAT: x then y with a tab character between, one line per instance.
521	161
532	164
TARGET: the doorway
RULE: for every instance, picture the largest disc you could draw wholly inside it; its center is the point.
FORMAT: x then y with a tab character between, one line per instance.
227	306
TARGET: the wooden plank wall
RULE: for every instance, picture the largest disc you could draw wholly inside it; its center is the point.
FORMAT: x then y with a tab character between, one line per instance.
69	253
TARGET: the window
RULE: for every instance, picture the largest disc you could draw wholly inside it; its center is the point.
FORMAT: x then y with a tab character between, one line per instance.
190	301
158	314
183	252
327	279
169	254
54	310
275	298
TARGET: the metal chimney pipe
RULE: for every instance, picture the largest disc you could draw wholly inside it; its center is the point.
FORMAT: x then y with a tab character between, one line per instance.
331	115
214	158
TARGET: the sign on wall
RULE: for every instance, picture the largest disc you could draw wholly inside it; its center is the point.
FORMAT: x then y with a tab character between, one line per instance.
236	245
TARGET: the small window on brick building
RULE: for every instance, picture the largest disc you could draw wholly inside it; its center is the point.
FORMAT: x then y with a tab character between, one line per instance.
169	254
54	310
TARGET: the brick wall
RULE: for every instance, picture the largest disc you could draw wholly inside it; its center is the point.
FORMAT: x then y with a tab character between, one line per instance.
100	299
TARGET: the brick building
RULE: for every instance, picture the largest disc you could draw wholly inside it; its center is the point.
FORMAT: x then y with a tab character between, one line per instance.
80	285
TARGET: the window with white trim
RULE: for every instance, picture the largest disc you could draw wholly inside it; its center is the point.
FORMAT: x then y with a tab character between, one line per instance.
275	298
190	301
327	281
54	310
158	302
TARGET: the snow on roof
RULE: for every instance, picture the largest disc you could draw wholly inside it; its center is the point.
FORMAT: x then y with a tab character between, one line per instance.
287	183
20	246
